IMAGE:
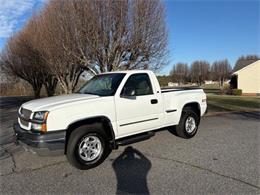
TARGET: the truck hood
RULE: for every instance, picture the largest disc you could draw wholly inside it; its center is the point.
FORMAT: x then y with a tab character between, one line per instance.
51	102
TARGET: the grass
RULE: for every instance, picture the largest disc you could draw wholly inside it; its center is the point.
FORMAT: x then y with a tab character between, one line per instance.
220	103
210	86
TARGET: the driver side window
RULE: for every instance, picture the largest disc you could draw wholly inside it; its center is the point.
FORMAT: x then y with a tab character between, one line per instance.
138	84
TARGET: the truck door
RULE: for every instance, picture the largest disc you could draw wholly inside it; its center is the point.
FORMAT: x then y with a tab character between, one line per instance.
137	107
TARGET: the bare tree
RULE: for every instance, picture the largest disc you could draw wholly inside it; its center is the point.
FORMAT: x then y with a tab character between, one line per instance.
180	72
20	60
68	37
221	70
100	36
51	34
199	71
123	34
50	79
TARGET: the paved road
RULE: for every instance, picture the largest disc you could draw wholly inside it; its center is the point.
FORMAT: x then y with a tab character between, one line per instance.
223	158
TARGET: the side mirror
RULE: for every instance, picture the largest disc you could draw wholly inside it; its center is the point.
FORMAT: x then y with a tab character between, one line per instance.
128	91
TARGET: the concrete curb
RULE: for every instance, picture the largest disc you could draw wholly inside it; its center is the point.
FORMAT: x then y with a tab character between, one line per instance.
220	113
230	112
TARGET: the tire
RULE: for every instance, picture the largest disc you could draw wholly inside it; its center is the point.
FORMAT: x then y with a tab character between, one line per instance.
81	144
186	131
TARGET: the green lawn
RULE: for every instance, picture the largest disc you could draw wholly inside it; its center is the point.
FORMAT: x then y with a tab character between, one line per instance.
219	103
210	86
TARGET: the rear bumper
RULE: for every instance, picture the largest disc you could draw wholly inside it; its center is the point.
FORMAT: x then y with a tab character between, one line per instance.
51	143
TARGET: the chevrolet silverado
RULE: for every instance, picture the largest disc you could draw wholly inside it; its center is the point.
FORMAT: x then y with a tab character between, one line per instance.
111	109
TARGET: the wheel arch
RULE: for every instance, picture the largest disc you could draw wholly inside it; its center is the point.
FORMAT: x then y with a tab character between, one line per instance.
195	106
188	109
107	126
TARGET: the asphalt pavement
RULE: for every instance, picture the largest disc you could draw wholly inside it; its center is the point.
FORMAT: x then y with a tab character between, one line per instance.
223	158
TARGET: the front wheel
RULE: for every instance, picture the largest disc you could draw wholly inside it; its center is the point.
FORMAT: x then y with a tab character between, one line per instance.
87	146
188	124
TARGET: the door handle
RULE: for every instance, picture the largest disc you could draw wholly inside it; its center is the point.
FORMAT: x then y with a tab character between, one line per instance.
154	101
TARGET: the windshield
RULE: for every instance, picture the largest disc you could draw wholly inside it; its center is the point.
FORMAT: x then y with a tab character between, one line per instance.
103	85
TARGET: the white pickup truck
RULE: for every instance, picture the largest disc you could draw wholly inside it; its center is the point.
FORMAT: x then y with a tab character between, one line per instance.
112	109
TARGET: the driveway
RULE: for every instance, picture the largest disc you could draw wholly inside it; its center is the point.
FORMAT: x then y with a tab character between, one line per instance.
223	158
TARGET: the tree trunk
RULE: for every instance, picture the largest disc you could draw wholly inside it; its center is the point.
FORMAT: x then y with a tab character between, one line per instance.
69	82
37	91
50	86
221	81
50	89
65	86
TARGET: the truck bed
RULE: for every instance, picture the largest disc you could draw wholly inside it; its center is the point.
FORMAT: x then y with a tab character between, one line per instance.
172	89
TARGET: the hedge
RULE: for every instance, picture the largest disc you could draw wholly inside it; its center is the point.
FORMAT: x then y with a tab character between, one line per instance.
236	91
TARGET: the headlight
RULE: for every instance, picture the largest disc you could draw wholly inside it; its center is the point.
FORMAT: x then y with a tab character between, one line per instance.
39	121
40	116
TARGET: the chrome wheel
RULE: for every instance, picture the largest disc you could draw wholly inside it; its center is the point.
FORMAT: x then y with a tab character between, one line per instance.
190	124
90	148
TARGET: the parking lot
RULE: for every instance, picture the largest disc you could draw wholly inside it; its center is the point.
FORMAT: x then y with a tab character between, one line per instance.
223	158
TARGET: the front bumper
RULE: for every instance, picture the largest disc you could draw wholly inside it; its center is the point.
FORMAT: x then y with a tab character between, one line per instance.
206	111
50	143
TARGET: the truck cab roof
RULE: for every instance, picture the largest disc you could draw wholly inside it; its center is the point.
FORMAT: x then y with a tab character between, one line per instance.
129	71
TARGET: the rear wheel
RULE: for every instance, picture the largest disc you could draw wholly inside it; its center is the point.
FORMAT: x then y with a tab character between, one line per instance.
188	124
88	146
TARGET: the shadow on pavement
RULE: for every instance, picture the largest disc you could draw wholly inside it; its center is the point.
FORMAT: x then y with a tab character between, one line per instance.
131	169
254	115
172	130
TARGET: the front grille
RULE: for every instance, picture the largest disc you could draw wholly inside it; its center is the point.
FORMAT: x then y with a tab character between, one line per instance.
24	116
24	123
25	113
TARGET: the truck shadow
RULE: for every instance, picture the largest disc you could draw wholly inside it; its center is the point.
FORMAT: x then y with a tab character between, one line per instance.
172	130
131	169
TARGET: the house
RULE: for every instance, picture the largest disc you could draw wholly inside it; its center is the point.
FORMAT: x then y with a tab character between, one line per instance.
227	81
208	82
171	84
247	79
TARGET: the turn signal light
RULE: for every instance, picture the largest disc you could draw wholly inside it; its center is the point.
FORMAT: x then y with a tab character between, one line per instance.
39	127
